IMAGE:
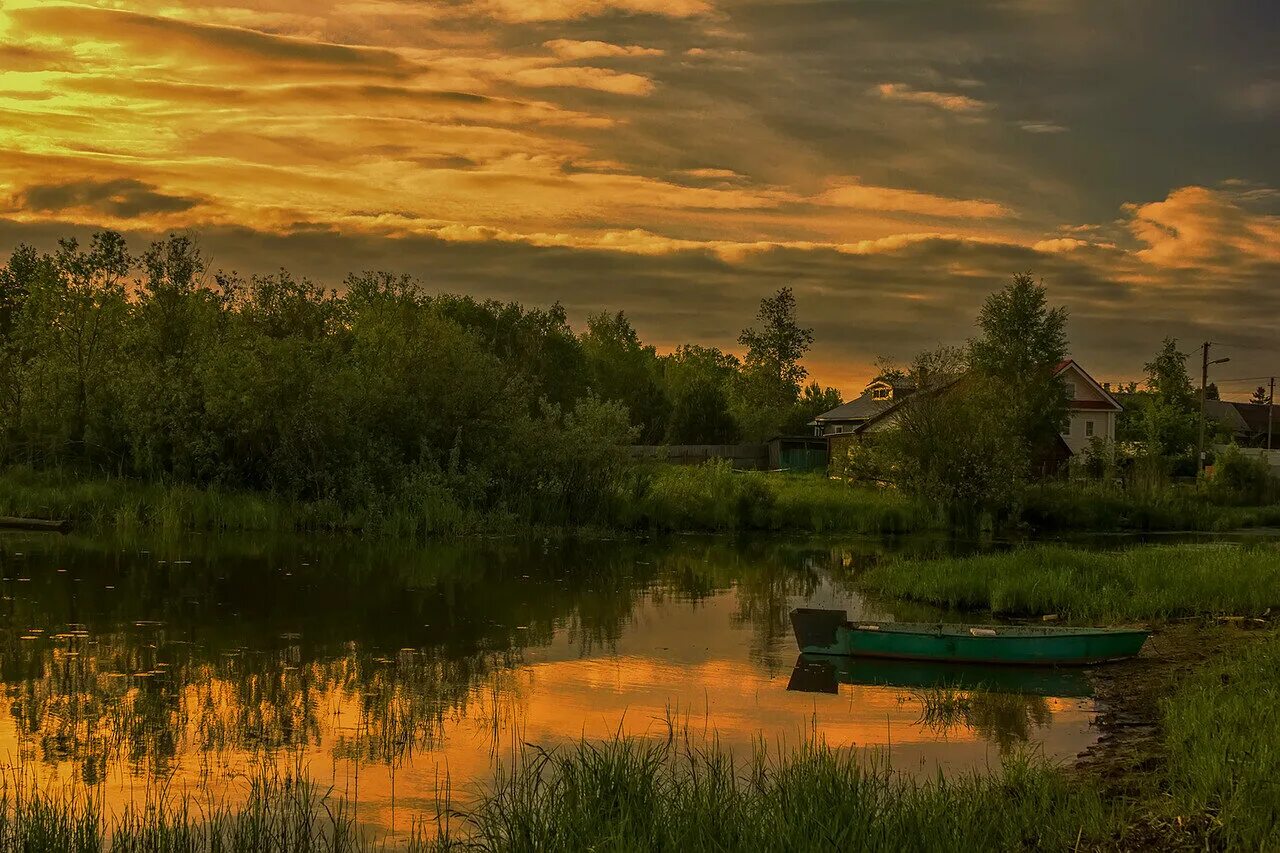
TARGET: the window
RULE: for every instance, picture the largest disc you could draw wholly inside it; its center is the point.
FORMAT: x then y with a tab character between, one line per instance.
1067	429
1088	428
1071	390
839	429
881	393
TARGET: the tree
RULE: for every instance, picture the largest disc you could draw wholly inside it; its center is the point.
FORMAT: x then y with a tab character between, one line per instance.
1022	342
775	349
814	400
772	370
622	369
699	382
1211	392
1260	396
968	473
1167	376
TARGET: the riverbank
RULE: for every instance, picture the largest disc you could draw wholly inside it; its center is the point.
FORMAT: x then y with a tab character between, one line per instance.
708	498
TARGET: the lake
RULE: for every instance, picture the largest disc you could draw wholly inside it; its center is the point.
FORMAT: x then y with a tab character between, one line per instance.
393	671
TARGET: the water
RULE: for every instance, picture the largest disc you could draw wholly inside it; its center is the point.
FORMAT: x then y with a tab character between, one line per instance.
184	665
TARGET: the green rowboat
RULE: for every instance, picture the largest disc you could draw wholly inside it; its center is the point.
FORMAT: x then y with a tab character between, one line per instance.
829	632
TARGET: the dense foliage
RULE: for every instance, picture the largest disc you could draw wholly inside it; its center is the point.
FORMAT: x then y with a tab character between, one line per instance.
377	395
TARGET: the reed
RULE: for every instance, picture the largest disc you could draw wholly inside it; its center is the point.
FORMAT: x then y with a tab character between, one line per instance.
1149	583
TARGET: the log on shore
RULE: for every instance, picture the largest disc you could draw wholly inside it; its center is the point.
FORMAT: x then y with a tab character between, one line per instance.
10	523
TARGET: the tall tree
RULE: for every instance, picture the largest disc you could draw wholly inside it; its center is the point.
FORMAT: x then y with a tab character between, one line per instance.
1260	396
1022	342
1167	375
772	370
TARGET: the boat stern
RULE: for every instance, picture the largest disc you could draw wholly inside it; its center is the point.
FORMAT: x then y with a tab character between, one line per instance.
817	630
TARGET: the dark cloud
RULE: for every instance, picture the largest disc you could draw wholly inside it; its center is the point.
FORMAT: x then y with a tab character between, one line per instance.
124	198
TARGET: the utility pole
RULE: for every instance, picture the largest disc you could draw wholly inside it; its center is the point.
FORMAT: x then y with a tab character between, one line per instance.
1204	386
1271	410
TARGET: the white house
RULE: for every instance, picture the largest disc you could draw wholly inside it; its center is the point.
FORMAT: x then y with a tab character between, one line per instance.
1091	409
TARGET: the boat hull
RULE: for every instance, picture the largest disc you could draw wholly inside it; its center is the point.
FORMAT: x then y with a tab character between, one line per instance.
827	632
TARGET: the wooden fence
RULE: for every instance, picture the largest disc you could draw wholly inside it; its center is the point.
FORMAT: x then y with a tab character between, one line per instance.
754	457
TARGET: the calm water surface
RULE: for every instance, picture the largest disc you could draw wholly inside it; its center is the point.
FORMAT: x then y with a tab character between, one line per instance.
385	669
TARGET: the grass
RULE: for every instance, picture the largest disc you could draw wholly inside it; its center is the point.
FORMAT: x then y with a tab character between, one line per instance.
1138	584
709	497
1222	736
714	497
1086	506
635	794
279	815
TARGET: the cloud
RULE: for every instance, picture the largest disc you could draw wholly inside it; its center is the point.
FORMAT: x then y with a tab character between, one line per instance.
585	77
571	49
863	197
122	198
209	46
1198	227
528	11
948	101
1042	127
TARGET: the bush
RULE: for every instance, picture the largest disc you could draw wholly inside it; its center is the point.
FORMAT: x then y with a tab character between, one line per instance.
1244	477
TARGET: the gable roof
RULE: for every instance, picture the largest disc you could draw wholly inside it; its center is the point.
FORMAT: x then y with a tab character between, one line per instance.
1110	404
860	408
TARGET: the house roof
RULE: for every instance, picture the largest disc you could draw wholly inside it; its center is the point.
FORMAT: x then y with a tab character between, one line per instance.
858	409
1110	404
898	404
1239	417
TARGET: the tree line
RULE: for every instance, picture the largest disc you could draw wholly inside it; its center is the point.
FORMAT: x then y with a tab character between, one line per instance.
156	366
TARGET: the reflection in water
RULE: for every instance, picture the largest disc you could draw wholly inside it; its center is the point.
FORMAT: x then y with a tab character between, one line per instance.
1005	706
385	668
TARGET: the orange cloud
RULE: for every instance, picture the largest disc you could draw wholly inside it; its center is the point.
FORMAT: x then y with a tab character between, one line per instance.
863	197
1201	227
585	77
571	49
942	100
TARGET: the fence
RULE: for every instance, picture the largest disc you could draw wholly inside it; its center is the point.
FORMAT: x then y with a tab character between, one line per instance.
753	457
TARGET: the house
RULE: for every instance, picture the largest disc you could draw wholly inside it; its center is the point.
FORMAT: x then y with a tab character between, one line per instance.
1247	423
1091	410
1091	413
877	397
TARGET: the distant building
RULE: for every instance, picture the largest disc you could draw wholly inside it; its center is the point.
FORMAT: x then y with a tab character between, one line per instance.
1091	413
1246	422
878	397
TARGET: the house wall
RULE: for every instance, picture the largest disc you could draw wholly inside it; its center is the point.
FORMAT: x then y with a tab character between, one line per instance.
1104	424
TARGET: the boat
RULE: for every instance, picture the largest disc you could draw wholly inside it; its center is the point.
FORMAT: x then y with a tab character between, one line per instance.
825	673
829	632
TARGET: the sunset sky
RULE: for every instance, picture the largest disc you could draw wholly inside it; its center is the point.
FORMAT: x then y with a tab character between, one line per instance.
893	161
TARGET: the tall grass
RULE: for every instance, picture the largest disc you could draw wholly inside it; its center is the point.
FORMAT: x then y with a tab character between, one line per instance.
1091	506
675	794
280	815
1137	584
714	497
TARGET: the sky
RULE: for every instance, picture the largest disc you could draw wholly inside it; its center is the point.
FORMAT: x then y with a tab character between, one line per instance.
893	161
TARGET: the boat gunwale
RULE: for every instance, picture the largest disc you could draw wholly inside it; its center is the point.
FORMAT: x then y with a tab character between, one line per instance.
1003	632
